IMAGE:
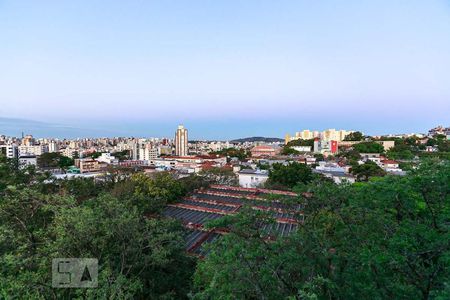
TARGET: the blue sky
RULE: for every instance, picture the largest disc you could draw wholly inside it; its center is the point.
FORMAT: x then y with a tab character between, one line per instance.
226	68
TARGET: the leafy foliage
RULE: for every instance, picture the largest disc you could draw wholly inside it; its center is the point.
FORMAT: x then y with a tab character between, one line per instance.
300	142
368	147
139	257
219	176
286	150
290	175
365	171
354	136
122	155
54	160
241	154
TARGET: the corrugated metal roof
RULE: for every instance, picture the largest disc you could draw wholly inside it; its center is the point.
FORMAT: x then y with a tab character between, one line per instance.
193	212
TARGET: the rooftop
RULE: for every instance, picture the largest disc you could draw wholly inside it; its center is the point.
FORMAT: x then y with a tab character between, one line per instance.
217	201
254	172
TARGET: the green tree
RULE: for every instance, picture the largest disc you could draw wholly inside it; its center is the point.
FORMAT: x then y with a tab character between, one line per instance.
54	160
368	147
290	175
354	136
219	176
240	154
349	154
401	150
286	150
300	142
367	170
122	155
138	257
152	194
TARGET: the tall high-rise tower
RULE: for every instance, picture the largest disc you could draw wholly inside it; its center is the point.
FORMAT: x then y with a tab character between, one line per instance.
181	141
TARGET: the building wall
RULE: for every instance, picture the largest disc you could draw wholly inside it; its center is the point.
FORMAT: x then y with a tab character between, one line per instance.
10	151
252	180
181	141
35	150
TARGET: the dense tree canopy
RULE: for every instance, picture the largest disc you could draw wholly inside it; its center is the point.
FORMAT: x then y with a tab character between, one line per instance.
54	160
300	142
139	257
368	147
240	154
367	170
354	136
290	175
286	150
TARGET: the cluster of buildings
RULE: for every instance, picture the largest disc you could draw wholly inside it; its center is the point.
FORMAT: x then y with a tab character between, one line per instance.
182	156
326	135
94	156
439	130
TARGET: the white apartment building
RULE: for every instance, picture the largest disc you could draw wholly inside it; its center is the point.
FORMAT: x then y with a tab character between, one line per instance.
148	153
326	135
34	150
306	134
181	141
69	152
334	135
52	146
10	151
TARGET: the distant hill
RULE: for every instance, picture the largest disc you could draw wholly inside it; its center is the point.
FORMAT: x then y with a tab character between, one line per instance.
257	139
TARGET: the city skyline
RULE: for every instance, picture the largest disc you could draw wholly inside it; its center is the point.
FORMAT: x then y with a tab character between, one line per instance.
233	69
199	131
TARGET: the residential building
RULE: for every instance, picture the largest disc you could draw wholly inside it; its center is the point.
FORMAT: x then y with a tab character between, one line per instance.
10	151
27	160
33	149
53	147
87	165
440	130
108	159
252	178
375	157
148	152
28	140
337	176
326	135
181	141
392	164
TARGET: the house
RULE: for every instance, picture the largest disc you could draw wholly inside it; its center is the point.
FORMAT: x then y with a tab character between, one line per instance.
330	167
252	178
375	157
391	164
338	177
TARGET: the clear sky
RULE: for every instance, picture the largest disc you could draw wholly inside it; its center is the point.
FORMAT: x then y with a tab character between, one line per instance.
227	68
